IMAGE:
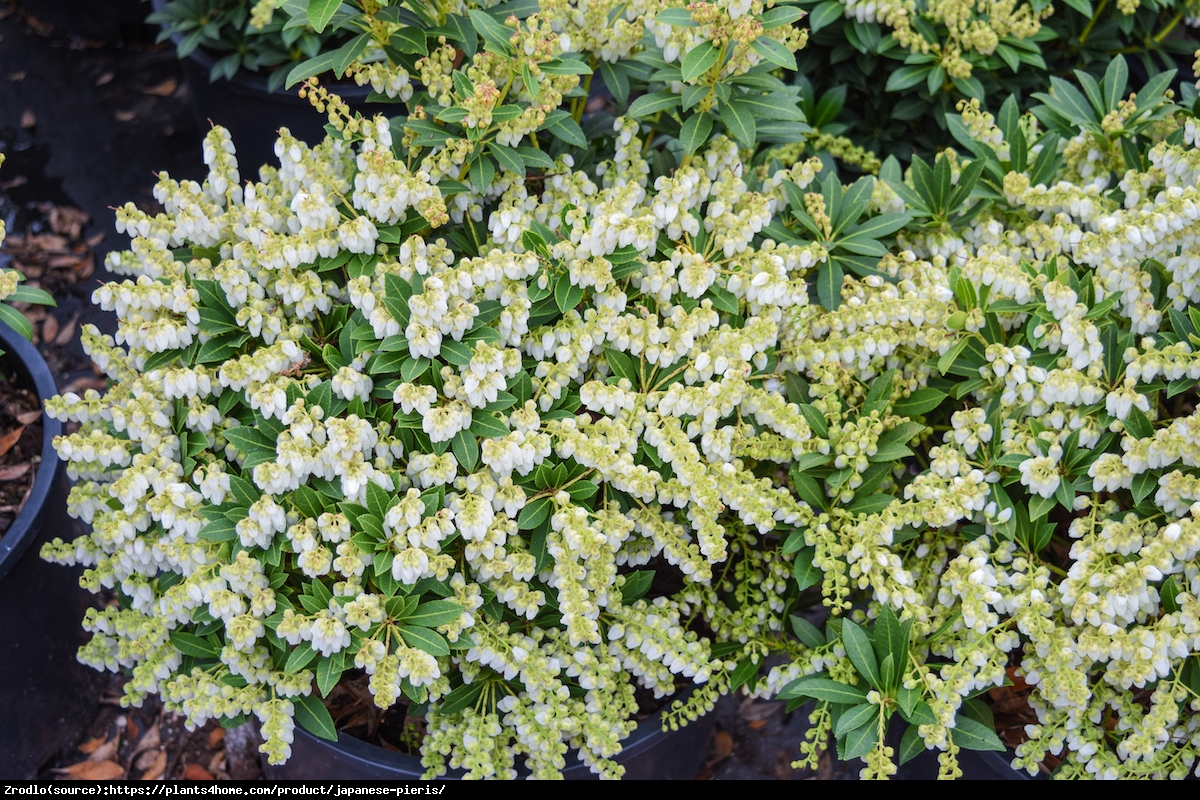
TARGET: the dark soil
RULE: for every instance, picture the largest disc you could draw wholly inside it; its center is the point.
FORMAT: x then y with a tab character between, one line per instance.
20	440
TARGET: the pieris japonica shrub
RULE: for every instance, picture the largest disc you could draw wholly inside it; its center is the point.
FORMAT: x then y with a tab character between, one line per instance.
436	398
1010	411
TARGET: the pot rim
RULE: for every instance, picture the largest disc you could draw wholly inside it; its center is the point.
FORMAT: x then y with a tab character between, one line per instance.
647	734
25	527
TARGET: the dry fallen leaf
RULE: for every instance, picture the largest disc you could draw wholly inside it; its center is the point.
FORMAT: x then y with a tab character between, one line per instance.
49	329
68	331
9	439
756	724
13	472
16	76
19	180
28	119
164	89
216	736
94	771
722	745
105	78
195	772
151	739
92	745
155	769
29	417
94	239
106	750
125	116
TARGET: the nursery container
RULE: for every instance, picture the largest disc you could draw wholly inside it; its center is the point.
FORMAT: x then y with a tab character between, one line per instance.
649	754
44	691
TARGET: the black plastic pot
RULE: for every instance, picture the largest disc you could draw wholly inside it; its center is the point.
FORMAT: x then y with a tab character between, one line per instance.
648	754
45	693
975	765
253	114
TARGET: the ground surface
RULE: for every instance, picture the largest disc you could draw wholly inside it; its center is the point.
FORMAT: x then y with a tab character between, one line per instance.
85	125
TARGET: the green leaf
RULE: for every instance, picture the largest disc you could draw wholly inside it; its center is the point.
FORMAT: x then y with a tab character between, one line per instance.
649	104
823	689
825	14
970	734
31	294
807	574
774	52
861	741
880	393
348	53
919	402
319	14
911	745
739	121
695	132
745	672
699	60
329	672
466	450
533	514
299	658
560	124
410	39
312	715
907	77
807	632
15	320
462	697
855	717
677	17
774	106
829	285
636	585
434	613
622	365
566	294
508	158
859	651
495	35
192	645
425	639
